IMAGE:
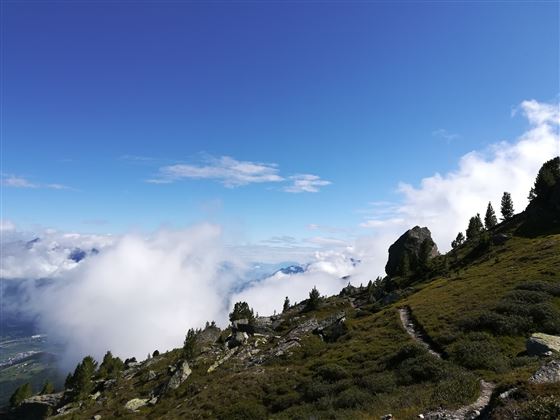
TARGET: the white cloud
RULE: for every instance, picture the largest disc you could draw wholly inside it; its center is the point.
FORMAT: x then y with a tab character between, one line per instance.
445	134
444	203
230	172
306	183
139	294
16	181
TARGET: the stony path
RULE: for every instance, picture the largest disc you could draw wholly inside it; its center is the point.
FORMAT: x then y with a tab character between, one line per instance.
471	411
414	332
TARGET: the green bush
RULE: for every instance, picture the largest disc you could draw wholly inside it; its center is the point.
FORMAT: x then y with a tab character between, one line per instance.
423	368
540	286
284	401
458	389
377	383
331	372
243	410
351	398
478	351
405	352
542	408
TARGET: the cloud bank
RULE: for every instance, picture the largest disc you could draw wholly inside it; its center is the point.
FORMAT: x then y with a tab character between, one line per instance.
139	294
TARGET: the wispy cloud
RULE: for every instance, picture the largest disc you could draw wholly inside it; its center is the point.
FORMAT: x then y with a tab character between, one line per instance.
15	181
306	183
234	173
446	135
226	170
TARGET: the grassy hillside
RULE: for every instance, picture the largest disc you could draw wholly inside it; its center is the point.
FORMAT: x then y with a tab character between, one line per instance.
477	307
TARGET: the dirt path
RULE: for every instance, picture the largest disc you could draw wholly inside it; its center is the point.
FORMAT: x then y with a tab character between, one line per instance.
471	411
415	332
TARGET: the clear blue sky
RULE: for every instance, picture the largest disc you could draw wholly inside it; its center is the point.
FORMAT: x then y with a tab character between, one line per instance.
100	96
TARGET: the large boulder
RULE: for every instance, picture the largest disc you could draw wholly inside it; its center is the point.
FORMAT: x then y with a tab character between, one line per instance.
180	375
540	344
414	245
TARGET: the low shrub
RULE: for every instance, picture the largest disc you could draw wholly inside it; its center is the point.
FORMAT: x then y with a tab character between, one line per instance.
377	383
331	372
478	351
351	398
421	368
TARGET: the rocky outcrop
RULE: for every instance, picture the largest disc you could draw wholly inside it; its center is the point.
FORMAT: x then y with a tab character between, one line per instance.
40	406
180	374
540	344
410	249
549	373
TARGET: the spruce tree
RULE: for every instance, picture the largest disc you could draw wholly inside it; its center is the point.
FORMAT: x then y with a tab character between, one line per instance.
490	219
110	366
241	310
458	240
82	379
314	299
475	227
547	178
507	206
286	304
21	393
48	388
189	347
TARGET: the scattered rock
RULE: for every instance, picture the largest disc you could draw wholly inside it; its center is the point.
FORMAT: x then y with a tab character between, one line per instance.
181	374
220	361
97	417
95	396
387	417
237	339
153	401
540	344
151	375
333	327
548	373
412	243
135	403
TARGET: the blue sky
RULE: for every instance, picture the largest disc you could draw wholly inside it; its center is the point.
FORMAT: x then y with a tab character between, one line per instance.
104	97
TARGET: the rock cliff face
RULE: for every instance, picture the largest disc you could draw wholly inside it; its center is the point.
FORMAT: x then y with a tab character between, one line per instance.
410	247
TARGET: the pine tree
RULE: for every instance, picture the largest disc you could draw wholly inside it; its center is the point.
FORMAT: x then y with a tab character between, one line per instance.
48	388
547	178
81	381
490	219
21	393
475	227
189	347
314	299
507	206
241	310
458	240
110	366
286	304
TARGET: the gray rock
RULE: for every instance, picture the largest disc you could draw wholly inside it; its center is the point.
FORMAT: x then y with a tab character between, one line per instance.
181	374
548	373
97	417
136	403
540	344
410	243
237	339
151	375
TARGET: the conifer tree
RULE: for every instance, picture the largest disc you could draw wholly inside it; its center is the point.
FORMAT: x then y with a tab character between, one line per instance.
404	265
507	206
475	227
21	393
314	299
48	388
81	381
458	240
286	304
547	178
189	346
241	310
490	219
